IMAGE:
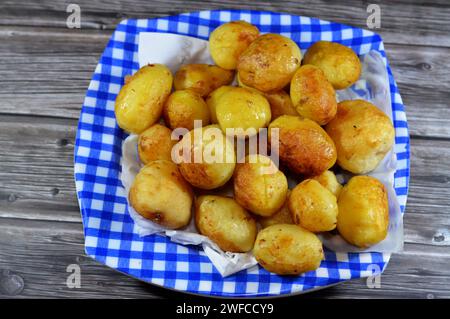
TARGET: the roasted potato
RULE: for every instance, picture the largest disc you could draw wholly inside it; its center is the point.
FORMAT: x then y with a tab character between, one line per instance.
202	78
288	249
140	102
313	206
155	143
282	216
340	64
269	62
363	135
312	95
304	147
225	222
242	109
280	104
211	101
183	107
206	157
153	192
329	181
259	185
363	218
228	41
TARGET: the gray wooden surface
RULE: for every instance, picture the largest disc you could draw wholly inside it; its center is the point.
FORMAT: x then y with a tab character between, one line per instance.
45	69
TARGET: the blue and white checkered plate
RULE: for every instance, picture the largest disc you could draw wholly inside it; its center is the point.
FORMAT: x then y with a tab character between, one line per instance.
110	234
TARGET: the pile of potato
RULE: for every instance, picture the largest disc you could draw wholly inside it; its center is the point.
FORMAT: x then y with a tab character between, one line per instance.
277	89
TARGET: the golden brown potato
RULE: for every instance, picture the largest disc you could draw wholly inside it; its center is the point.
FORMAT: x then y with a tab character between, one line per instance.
340	64
183	107
282	216
304	147
269	62
312	95
153	192
211	101
155	143
228	41
363	135
140	102
242	108
288	249
363	218
207	157
259	185
313	206
330	182
280	104
225	223
202	78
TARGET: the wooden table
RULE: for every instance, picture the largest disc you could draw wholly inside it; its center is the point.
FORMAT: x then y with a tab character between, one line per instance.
45	69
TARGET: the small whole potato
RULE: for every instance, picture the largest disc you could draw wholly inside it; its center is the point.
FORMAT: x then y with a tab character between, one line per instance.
340	64
363	218
269	62
140	101
183	107
202	78
288	249
208	158
225	222
280	104
304	147
155	143
330	182
282	216
228	41
363	135
213	98
242	109
160	194
313	206
259	185
312	95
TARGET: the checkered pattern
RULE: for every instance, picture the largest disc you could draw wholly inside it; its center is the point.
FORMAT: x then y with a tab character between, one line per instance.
110	233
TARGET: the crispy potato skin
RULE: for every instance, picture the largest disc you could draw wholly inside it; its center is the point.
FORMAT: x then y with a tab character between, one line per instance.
155	143
280	104
363	135
202	78
228	41
140	101
259	185
312	95
153	191
340	64
313	206
304	147
363	218
242	108
288	249
269	62
282	216
203	174
183	107
330	182
225	222
212	100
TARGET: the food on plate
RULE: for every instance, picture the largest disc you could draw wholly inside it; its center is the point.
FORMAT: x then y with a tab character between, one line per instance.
153	192
228	41
207	158
288	249
329	181
243	109
313	206
211	101
280	104
225	222
140	102
340	64
363	218
282	216
304	147
259	185
312	95
269	62
202	78
183	107
155	143
363	135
